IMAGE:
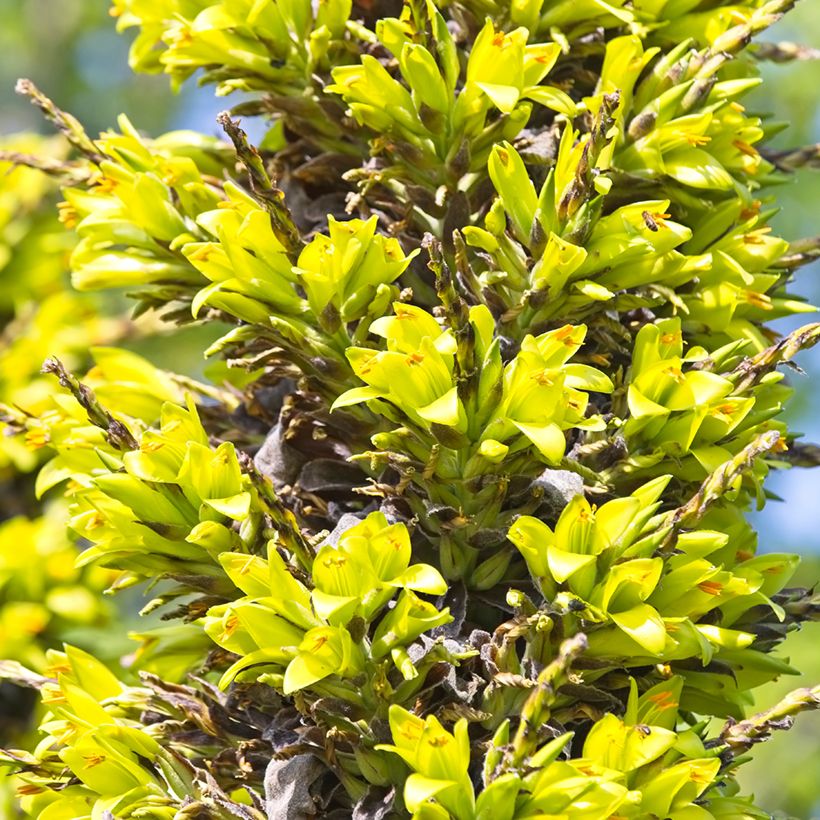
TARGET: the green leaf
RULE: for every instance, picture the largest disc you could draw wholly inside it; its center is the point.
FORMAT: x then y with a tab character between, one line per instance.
236	507
547	438
304	670
675	788
698	169
563	564
644	625
250	573
511	180
584	377
335	609
532	538
625	748
595	291
552	98
92	675
419	789
356	395
259	658
445	410
421	578
503	97
497	801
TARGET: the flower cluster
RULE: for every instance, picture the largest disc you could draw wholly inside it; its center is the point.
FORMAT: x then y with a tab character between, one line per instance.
319	636
634	767
604	570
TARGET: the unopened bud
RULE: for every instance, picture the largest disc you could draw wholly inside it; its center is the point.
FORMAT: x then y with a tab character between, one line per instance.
490	572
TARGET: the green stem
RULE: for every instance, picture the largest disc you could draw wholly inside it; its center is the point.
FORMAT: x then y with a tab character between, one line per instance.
536	710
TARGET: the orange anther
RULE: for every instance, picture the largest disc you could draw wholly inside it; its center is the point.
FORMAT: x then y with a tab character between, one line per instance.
711	587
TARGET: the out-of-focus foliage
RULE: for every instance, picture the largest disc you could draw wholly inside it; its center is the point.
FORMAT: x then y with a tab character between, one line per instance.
44	597
41	317
41	590
74	49
789	93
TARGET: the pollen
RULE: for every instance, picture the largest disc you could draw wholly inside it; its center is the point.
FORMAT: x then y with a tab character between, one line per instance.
106	185
711	587
498	40
151	445
664	701
411	731
95	521
745	148
675	373
697	776
698	139
67	214
438	741
28	789
202	254
59	668
751	211
51	693
758	300
182	38
220	460
230	626
35	439
756	237
542	378
566	335
413	359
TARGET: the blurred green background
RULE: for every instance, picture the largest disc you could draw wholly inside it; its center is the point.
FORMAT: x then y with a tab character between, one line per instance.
72	52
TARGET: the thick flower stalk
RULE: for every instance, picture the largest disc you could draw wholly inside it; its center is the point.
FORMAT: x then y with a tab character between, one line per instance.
459	530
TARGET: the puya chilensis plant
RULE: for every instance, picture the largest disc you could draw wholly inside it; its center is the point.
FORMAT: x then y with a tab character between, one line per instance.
45	599
43	596
460	530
